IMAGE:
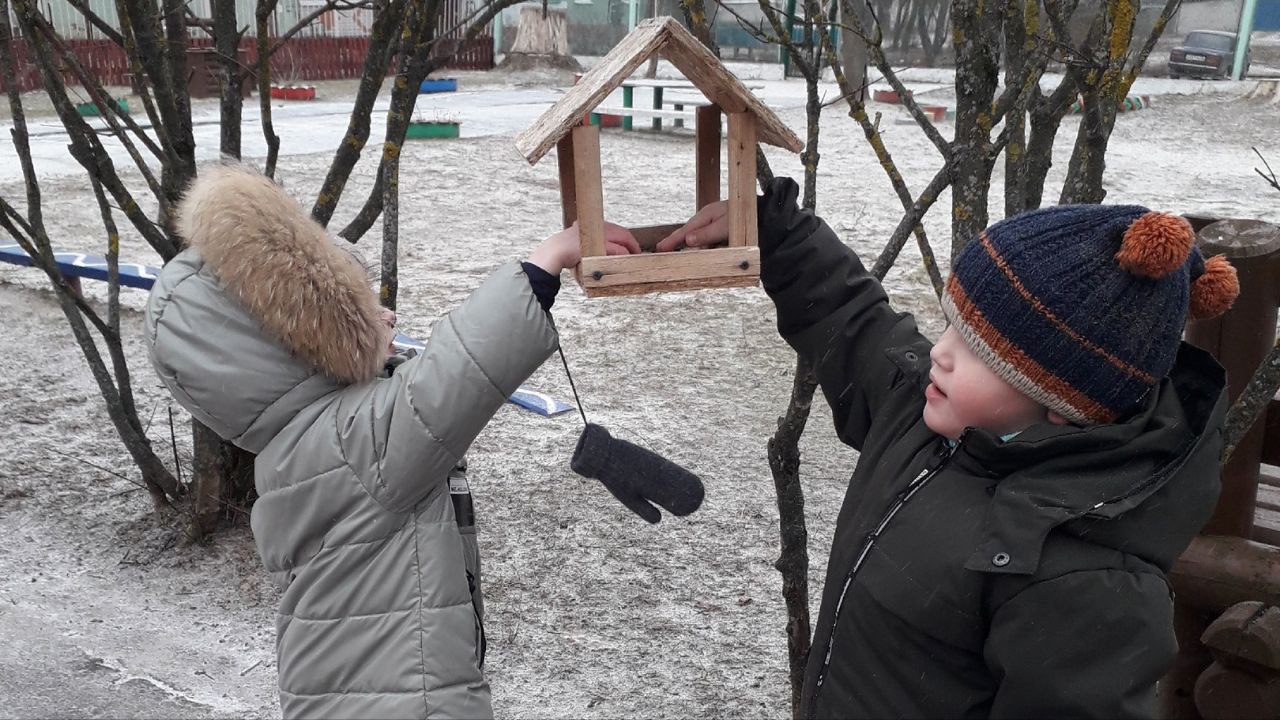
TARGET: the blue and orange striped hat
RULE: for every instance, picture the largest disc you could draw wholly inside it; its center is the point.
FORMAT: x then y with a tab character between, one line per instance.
1081	307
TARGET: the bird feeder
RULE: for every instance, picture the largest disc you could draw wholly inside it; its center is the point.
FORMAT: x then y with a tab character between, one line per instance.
577	144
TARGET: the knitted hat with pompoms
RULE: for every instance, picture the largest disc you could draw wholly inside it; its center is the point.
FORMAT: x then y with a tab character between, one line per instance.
1081	307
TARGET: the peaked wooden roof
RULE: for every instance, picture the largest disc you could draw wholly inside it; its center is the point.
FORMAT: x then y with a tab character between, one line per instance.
656	35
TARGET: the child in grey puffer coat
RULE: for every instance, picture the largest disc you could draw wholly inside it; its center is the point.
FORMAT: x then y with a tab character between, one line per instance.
268	333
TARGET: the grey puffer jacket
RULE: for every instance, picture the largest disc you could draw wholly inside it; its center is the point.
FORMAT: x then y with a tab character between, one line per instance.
266	331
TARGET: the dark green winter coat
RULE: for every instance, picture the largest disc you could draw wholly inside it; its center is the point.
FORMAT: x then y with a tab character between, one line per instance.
1022	579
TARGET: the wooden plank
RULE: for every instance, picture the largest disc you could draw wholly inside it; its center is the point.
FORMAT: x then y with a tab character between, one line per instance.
649	236
1218	571
698	64
742	180
632	51
1266	527
671	286
568	189
664	268
588	189
722	87
707	160
1268	493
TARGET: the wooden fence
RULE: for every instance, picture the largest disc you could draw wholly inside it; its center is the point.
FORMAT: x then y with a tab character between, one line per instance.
301	59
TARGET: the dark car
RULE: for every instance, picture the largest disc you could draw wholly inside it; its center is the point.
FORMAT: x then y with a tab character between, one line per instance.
1205	53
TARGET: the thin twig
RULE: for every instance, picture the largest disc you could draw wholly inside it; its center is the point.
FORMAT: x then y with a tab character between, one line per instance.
1270	175
173	443
98	467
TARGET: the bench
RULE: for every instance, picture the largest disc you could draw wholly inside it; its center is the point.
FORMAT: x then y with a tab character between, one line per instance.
75	266
79	265
679	116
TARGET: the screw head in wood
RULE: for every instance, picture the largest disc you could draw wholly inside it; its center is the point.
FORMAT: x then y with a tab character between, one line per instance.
597	275
744	264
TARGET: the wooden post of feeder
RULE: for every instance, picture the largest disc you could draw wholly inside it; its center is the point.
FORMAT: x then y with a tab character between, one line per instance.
707	120
588	189
742	180
568	188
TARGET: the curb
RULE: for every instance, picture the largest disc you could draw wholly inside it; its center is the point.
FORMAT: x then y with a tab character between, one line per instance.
1129	104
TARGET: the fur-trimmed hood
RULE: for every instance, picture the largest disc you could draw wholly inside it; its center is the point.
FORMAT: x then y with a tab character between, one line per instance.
263	313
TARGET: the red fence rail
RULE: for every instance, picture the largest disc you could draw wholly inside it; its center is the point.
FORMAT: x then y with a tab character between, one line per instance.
301	59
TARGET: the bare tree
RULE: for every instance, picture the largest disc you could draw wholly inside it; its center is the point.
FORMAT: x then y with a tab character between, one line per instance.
1104	71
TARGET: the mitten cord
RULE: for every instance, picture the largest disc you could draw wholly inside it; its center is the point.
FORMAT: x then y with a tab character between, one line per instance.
572	387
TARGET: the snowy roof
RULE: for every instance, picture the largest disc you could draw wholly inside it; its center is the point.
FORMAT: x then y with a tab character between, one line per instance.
656	35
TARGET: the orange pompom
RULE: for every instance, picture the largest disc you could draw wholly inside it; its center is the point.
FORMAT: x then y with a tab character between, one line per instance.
1155	245
1213	292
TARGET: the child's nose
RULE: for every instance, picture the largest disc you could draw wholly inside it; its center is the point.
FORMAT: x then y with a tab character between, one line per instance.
936	357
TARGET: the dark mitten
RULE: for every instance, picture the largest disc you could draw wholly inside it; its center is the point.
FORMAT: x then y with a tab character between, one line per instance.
636	476
779	217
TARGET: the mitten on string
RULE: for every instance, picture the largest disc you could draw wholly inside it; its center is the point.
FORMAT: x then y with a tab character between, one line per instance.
637	477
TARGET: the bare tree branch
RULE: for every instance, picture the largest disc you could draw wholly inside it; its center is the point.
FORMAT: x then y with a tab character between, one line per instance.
85	146
262	16
424	61
142	82
1252	402
873	42
388	18
106	108
871	130
1171	8
96	20
314	15
1270	175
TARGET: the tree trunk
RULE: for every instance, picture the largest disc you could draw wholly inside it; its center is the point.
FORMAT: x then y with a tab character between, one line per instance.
222	479
262	16
793	556
977	40
542	33
853	49
1016	56
227	41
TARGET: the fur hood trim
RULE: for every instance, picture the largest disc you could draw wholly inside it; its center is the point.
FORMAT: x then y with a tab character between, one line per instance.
284	270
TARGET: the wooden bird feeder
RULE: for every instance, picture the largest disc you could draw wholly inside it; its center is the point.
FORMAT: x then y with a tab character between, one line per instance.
578	153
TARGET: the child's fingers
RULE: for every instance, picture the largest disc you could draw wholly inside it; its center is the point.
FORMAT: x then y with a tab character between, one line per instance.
628	241
710	234
618	248
678	238
672	241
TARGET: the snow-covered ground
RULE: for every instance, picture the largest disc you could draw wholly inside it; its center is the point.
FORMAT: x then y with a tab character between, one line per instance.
592	613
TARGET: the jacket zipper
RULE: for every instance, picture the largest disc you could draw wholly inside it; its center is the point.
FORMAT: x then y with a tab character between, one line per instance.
919	482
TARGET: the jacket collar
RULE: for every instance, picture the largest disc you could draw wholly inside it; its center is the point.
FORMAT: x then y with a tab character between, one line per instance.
1050	475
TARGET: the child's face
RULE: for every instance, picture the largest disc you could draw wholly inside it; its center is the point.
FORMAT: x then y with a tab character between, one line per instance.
963	392
388	318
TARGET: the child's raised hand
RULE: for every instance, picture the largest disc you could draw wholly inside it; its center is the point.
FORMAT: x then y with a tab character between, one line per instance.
564	250
707	228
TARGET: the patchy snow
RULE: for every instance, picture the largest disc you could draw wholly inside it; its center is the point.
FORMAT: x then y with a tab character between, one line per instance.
592	613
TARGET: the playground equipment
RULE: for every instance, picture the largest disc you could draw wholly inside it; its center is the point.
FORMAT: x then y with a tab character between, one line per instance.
1227	583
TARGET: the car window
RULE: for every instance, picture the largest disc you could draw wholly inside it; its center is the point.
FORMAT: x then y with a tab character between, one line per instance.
1209	41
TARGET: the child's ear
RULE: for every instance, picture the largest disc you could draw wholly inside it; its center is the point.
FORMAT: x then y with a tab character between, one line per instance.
1056	419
